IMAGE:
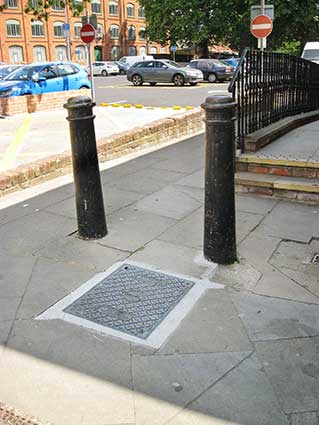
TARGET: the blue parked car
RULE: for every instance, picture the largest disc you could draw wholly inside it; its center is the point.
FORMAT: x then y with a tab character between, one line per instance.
232	62
44	78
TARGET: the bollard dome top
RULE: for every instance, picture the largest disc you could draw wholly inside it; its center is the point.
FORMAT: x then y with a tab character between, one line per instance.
78	101
219	101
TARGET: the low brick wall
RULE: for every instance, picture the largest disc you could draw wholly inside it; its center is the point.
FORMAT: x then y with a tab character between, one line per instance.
38	102
160	132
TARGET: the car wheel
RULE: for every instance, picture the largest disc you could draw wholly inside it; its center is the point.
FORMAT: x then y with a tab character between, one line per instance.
212	78
137	80
178	80
193	84
152	84
122	72
104	73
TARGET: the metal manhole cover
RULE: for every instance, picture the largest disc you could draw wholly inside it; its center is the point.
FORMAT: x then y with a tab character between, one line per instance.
132	299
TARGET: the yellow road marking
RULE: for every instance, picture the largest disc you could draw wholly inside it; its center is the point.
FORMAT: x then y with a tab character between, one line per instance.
10	155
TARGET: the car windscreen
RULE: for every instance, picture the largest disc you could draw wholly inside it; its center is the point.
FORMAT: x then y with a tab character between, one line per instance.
5	70
24	73
172	63
218	62
311	54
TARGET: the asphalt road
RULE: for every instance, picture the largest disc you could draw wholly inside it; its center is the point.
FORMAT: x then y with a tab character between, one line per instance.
119	90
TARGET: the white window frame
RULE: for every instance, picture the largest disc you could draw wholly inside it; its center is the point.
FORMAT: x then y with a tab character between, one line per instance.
132	52
13	28
12	4
56	6
130	7
116	5
43	50
83	55
58	24
97	9
141	12
58	49
117	28
142	30
20	54
129	32
77	29
37	26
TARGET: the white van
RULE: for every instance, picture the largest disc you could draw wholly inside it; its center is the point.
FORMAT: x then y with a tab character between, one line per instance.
311	51
128	61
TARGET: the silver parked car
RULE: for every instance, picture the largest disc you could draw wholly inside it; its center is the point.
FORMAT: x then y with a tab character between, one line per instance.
162	71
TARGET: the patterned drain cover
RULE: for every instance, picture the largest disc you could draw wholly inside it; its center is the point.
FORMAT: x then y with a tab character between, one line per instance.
131	299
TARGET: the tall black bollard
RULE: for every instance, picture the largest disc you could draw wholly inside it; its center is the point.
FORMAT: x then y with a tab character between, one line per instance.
219	226
88	190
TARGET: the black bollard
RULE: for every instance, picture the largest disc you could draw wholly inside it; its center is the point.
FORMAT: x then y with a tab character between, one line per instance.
88	190
219	226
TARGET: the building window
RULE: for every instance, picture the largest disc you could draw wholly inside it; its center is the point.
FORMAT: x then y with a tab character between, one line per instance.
131	33
37	29
60	53
132	51
143	51
56	5
96	6
141	13
113	8
130	10
81	53
142	33
99	33
77	29
13	28
153	50
114	31
58	29
163	49
39	53
115	53
16	54
11	4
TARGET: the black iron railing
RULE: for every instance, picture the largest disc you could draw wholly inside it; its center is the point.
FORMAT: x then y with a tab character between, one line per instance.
270	86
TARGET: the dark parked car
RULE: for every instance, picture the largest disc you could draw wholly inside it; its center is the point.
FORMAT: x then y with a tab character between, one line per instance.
162	71
213	69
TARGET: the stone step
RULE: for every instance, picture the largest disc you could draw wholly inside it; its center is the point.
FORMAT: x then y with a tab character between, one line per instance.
295	188
280	166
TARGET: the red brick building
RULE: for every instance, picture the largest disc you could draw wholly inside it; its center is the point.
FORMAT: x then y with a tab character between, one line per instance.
120	33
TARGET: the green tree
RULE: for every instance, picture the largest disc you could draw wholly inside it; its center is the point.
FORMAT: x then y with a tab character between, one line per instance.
40	9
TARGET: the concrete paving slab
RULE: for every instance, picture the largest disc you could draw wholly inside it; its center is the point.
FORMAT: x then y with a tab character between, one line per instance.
5	327
9	307
243	396
293	369
212	326
32	232
253	204
67	375
169	202
268	319
281	223
165	384
187	163
276	284
308	418
246	223
239	275
82	253
196	179
15	273
193	192
51	281
130	229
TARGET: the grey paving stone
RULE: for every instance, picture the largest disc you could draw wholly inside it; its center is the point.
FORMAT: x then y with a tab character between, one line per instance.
51	281
5	327
196	179
9	307
14	274
171	202
308	418
130	229
165	384
244	396
212	326
184	162
292	221
34	231
239	275
82	253
171	258
253	204
269	319
293	369
66	374
147	181
246	223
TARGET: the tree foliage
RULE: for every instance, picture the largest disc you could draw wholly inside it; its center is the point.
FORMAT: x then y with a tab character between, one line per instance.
40	9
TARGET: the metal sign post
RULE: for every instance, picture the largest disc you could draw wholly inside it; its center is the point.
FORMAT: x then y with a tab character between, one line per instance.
87	35
173	50
262	9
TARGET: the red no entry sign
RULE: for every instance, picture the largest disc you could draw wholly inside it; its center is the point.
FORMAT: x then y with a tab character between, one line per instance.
87	33
261	26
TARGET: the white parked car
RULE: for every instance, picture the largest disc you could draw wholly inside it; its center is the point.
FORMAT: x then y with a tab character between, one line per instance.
104	68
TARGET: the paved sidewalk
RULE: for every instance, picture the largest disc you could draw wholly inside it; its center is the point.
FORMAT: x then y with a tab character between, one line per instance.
248	351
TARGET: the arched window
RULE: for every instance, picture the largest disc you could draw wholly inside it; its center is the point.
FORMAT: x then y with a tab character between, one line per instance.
142	33
141	13
37	29
58	29
56	5
143	51
77	28
163	49
16	54
96	6
11	4
113	8
39	54
115	52
130	10
60	53
132	51
34	3
114	31
81	53
153	50
131	33
13	28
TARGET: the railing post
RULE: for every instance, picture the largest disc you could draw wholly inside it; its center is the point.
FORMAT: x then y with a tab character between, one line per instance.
219	226
88	190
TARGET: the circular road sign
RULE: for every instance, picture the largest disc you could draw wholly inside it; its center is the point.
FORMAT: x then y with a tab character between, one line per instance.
261	26
87	33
